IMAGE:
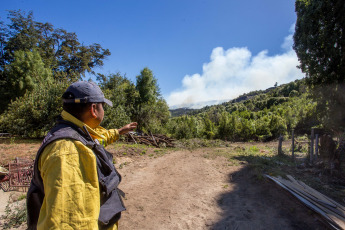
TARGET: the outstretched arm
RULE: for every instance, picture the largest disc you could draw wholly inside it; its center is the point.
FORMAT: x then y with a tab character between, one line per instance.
127	128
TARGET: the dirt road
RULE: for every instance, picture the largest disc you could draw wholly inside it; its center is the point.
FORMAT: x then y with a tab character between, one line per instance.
185	190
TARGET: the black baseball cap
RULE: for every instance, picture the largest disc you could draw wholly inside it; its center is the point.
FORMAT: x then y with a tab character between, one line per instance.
84	92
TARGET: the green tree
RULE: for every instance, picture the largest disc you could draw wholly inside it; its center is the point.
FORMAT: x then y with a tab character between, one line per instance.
151	110
320	43
32	51
147	87
160	117
139	103
60	50
209	128
121	91
183	127
153	117
277	126
262	126
223	128
2	45
23	74
33	114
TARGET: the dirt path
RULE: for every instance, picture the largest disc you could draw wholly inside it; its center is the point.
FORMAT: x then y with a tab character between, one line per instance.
12	198
185	190
4	196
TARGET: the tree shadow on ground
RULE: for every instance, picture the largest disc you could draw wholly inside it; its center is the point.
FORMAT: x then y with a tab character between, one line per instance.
257	203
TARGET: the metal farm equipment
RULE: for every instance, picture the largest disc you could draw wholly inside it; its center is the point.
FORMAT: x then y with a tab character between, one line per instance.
16	174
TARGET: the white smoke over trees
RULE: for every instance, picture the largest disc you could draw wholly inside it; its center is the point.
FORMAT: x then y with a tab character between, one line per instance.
235	71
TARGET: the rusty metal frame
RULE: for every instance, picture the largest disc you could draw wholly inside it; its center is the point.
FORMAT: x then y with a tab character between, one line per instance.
19	174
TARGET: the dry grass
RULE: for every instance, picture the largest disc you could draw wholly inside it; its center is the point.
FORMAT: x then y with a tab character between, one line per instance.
10	148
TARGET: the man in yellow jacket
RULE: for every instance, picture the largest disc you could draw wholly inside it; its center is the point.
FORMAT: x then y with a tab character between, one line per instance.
75	182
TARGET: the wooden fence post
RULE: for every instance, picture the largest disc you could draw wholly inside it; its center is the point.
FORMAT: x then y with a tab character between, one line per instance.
316	145
293	145
312	146
280	151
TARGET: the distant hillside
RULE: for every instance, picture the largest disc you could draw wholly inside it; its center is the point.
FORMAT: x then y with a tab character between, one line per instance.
198	105
180	112
259	99
251	94
189	111
258	115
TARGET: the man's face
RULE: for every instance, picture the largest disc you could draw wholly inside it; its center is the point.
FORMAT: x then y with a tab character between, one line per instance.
99	112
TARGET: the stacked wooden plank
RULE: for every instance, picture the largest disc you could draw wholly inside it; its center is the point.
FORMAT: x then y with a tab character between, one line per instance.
157	140
331	211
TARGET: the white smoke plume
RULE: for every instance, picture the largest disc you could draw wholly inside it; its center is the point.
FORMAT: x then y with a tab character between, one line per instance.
235	71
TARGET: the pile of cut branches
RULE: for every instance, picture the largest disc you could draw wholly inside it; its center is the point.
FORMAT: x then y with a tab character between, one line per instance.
157	140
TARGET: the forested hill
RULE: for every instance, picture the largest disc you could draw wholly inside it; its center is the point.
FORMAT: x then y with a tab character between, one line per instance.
181	111
189	111
258	115
291	89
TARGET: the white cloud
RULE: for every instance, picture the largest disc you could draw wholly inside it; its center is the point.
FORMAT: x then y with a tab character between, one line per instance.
236	71
288	40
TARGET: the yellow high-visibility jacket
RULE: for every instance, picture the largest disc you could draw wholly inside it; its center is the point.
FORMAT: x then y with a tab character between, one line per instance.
69	172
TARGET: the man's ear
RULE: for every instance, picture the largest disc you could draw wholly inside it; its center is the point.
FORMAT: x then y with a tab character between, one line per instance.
93	108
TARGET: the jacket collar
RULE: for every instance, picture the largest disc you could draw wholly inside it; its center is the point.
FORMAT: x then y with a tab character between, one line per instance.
68	117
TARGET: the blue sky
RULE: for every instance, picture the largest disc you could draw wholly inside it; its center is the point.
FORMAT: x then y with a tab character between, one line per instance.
199	50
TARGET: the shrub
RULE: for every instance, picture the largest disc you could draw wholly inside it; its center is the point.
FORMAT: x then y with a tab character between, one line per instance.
34	114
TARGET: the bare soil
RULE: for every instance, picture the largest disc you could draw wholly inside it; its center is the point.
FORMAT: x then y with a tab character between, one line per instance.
185	189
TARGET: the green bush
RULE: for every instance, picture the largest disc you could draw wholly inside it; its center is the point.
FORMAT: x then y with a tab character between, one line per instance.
34	114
